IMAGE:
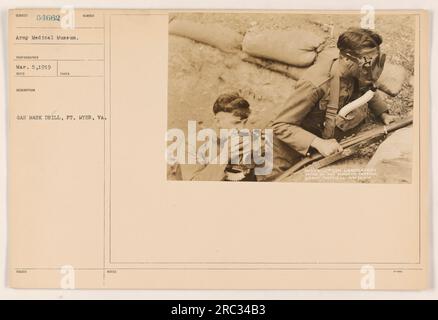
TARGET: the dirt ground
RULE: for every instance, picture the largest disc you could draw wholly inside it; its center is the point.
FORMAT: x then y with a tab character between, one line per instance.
198	73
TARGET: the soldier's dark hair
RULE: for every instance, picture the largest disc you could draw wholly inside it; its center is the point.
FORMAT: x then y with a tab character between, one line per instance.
232	103
355	39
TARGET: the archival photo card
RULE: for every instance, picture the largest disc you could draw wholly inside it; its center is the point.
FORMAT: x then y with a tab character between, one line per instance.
133	137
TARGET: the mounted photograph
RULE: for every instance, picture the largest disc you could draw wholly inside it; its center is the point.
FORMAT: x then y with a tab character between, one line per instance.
291	97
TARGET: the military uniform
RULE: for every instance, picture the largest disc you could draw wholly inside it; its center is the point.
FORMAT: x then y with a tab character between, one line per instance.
301	117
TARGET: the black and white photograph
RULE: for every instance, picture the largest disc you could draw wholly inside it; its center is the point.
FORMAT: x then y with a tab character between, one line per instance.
291	97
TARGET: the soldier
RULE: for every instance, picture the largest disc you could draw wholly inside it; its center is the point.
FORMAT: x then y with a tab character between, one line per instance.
230	111
309	118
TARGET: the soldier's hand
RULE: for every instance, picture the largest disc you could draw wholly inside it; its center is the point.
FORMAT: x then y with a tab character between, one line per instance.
241	150
387	118
326	147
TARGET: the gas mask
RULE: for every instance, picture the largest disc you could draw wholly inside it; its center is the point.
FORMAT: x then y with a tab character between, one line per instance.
370	63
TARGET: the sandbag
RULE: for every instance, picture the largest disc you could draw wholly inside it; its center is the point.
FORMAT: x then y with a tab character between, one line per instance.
392	78
295	47
285	69
216	35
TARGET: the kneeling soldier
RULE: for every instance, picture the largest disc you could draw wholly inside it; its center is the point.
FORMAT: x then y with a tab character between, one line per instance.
310	117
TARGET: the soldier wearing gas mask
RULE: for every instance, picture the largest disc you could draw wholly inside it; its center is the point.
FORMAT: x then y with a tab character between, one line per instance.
313	116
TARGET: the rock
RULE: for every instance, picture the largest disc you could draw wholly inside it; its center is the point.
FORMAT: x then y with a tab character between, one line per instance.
392	161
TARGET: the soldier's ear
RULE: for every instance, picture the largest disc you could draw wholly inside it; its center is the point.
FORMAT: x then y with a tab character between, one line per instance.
216	120
382	60
348	61
344	60
349	65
